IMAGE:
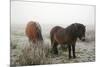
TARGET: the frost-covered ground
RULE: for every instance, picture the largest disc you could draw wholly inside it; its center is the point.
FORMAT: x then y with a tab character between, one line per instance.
85	51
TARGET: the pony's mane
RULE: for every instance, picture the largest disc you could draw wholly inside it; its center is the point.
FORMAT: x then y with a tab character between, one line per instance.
73	28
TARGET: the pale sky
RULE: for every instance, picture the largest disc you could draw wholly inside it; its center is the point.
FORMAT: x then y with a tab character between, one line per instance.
48	13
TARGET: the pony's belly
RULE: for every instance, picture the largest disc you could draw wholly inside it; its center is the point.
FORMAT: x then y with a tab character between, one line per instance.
61	40
64	40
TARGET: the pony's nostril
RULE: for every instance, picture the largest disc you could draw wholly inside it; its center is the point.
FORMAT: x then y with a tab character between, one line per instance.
83	39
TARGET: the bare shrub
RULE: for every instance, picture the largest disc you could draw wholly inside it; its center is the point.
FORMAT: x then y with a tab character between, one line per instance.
90	35
34	54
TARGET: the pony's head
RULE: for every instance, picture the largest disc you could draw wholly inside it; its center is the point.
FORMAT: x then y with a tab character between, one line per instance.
80	31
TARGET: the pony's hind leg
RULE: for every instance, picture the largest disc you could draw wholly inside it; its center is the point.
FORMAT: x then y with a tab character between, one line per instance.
54	48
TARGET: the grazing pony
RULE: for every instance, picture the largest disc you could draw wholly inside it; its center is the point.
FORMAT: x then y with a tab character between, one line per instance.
67	36
33	32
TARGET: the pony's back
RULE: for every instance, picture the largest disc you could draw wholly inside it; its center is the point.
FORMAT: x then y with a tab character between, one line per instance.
33	31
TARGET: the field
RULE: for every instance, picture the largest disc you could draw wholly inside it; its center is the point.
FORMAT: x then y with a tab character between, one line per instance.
20	49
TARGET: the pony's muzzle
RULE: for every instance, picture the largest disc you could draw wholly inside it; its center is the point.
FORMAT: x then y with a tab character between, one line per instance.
83	38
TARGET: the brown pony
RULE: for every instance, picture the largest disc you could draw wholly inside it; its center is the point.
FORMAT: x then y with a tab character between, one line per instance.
33	32
67	36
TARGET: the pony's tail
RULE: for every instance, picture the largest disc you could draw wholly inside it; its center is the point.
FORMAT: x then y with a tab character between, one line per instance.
40	36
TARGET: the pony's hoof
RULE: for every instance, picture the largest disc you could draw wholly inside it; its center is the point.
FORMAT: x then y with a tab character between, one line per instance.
56	53
74	57
70	57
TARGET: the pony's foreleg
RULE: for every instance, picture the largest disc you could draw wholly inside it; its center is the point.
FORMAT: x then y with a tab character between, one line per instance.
73	49
69	50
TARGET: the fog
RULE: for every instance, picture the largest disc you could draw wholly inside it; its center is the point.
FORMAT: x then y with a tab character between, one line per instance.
50	13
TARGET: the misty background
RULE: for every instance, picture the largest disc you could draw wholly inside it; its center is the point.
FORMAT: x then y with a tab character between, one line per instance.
49	15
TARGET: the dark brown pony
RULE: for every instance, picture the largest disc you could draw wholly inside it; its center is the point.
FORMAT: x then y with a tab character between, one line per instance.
33	32
67	36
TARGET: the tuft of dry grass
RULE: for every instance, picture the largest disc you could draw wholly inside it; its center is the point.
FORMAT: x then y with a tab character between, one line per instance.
33	54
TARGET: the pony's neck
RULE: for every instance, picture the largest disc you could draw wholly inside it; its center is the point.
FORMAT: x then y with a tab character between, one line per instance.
72	31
